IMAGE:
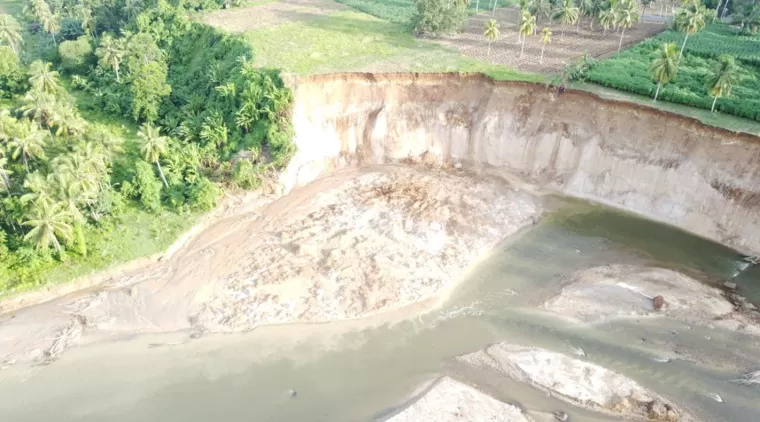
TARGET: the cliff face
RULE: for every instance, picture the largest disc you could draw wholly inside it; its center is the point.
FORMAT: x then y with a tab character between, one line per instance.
657	164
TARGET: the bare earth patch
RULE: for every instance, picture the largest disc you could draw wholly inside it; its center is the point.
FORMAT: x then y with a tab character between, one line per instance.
563	48
271	14
347	246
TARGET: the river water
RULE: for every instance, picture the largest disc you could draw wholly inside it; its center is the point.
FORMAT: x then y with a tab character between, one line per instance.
363	370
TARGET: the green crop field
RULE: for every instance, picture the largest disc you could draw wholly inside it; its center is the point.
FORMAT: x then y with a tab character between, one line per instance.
401	11
629	70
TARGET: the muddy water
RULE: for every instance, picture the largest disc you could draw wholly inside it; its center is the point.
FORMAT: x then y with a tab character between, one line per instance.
360	371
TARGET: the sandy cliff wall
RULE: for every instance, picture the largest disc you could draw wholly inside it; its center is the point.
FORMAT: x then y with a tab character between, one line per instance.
666	167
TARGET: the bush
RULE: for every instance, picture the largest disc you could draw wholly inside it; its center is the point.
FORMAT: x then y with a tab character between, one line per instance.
439	17
71	29
75	55
245	175
147	186
203	195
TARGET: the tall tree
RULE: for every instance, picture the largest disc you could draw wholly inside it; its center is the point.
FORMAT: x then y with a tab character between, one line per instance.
27	142
608	17
746	15
543	9
567	14
153	146
10	31
690	19
110	53
50	24
627	15
491	32
43	78
5	181
527	27
546	38
50	224
724	75
664	67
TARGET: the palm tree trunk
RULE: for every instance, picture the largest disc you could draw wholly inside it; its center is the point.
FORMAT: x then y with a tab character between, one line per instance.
620	44
116	69
522	49
477	6
493	12
712	109
161	172
542	53
656	93
562	32
489	49
683	46
26	164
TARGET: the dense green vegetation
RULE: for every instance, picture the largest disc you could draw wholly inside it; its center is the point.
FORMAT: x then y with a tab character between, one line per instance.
402	11
630	70
76	180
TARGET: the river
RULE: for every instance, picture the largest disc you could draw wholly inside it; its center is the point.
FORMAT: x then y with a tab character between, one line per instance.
363	370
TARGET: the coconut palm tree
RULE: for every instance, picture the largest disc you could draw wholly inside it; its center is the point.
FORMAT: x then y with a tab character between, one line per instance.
50	223
690	19
567	14
664	67
527	27
38	188
628	13
132	8
42	77
546	38
89	24
608	17
153	146
542	9
595	9
10	31
39	106
5	181
746	16
110	53
724	76
491	33
28	142
50	24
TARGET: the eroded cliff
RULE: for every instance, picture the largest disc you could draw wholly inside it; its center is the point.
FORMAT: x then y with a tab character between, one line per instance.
666	167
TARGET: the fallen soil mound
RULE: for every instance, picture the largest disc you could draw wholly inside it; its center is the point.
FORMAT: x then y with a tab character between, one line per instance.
666	167
578	382
348	246
451	401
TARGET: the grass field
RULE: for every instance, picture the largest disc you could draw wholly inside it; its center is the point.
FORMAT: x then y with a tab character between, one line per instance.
314	39
401	11
12	7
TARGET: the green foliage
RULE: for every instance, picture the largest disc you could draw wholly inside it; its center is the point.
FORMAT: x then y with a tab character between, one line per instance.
147	188
75	55
245	175
71	29
439	17
629	71
203	195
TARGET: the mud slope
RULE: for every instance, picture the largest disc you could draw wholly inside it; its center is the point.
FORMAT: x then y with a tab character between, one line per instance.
658	164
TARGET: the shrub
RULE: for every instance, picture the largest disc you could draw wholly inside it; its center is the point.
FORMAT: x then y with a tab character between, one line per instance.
439	17
75	55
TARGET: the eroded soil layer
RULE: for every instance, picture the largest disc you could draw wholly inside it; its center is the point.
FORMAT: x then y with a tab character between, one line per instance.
351	245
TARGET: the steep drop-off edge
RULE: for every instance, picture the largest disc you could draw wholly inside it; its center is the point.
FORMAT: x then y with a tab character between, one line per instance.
658	164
